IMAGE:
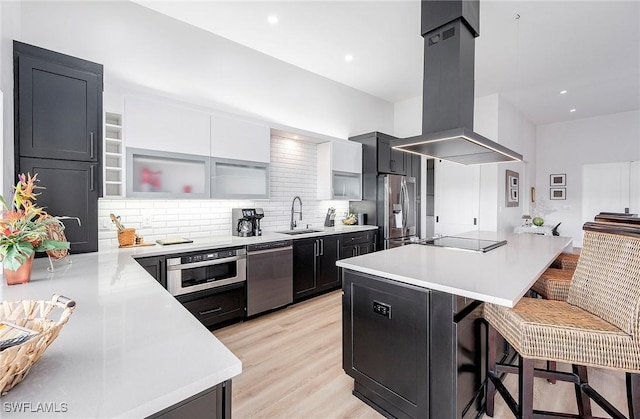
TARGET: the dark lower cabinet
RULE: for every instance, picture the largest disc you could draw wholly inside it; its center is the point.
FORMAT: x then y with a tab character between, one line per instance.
217	307
356	244
385	344
413	352
70	190
314	266
213	403
156	266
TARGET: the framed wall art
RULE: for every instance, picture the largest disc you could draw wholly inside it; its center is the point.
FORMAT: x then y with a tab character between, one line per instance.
558	180
558	193
512	189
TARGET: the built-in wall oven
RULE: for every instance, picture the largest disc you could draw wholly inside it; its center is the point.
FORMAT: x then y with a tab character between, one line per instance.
198	271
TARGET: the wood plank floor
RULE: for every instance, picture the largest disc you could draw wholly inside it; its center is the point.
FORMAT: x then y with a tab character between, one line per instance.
292	368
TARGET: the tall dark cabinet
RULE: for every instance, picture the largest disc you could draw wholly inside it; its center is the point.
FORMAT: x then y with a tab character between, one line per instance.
379	158
58	132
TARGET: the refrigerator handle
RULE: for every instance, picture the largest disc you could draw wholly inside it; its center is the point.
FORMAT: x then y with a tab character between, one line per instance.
405	203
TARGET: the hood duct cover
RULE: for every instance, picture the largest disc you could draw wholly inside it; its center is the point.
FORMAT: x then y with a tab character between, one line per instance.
449	28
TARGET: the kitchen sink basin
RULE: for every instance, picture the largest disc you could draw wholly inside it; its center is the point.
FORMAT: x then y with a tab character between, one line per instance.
296	232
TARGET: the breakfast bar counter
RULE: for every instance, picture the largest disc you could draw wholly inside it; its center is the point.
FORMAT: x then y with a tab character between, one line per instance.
501	276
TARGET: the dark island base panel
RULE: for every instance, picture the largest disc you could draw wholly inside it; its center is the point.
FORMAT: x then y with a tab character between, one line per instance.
212	403
413	352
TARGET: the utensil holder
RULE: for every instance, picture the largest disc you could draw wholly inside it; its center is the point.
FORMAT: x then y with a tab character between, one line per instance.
127	237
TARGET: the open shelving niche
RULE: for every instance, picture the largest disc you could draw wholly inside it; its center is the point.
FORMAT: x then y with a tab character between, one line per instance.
113	156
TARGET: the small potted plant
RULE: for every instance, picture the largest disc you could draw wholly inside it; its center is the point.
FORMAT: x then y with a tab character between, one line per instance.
24	230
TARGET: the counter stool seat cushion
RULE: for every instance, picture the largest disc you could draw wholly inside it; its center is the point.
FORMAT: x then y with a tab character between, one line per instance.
557	331
567	261
553	284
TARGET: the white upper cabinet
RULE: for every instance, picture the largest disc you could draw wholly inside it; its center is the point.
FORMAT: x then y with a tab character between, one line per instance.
339	170
157	125
240	140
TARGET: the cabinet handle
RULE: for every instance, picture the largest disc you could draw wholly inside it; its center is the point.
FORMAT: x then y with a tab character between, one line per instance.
213	310
321	247
475	221
91	178
437	218
315	249
91	146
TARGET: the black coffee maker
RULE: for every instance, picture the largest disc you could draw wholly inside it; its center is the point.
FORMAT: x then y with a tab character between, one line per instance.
246	221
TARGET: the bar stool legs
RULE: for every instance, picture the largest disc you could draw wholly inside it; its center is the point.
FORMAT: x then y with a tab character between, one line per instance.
523	409
633	395
584	402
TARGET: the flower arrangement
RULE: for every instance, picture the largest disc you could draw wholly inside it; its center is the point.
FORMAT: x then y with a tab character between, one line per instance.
24	226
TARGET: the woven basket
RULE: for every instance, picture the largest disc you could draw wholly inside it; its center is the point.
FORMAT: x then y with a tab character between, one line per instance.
127	236
16	361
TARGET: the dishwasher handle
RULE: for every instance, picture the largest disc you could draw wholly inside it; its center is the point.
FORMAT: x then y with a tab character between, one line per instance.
261	252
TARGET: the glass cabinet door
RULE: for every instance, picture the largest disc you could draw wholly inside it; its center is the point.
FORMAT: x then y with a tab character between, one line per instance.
346	185
159	174
239	179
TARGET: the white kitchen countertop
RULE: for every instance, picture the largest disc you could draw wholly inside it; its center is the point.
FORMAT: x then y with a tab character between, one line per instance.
501	276
129	349
230	241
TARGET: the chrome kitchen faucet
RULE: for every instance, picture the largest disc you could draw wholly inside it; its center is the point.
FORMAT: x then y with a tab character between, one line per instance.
293	203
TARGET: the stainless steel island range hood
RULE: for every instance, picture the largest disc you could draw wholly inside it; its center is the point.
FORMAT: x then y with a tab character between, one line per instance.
449	28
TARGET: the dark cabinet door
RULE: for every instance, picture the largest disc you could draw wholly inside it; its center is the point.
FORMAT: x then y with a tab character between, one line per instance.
304	268
328	253
59	111
385	343
389	160
71	190
156	267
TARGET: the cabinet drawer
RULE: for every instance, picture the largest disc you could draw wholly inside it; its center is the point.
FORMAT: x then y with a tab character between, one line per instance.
356	238
217	308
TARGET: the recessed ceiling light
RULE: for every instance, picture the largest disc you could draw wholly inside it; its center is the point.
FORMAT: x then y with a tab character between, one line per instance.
273	19
348	57
572	110
295	137
563	92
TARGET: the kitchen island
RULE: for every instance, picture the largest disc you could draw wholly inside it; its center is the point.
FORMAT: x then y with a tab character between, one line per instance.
413	333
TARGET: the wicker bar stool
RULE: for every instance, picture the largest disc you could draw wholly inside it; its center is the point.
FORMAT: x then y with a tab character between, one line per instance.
598	326
567	261
553	284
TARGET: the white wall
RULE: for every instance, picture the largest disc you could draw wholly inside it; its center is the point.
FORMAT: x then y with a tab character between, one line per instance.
290	176
9	29
566	147
143	50
498	120
407	117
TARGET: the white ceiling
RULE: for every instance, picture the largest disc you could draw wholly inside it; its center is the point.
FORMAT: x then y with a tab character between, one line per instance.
589	48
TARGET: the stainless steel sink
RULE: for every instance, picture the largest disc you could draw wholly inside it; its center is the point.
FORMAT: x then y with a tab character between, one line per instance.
296	232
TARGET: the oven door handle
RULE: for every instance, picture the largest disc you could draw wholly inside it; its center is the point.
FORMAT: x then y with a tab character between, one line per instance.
204	263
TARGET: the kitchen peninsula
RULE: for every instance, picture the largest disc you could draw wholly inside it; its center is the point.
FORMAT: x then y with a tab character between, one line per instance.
413	334
130	349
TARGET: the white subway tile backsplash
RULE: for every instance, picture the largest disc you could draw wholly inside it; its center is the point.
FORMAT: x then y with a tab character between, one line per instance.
293	173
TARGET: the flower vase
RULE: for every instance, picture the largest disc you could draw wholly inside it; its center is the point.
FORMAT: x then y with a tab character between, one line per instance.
22	275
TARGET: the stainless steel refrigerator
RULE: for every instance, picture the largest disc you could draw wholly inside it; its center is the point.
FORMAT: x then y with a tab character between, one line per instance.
396	209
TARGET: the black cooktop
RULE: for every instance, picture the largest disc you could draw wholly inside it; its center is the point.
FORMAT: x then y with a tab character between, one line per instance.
464	243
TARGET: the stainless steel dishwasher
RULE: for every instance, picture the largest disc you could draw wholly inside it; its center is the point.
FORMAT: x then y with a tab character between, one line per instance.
269	276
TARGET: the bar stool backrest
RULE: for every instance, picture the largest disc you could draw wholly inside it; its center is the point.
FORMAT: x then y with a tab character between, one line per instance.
606	282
